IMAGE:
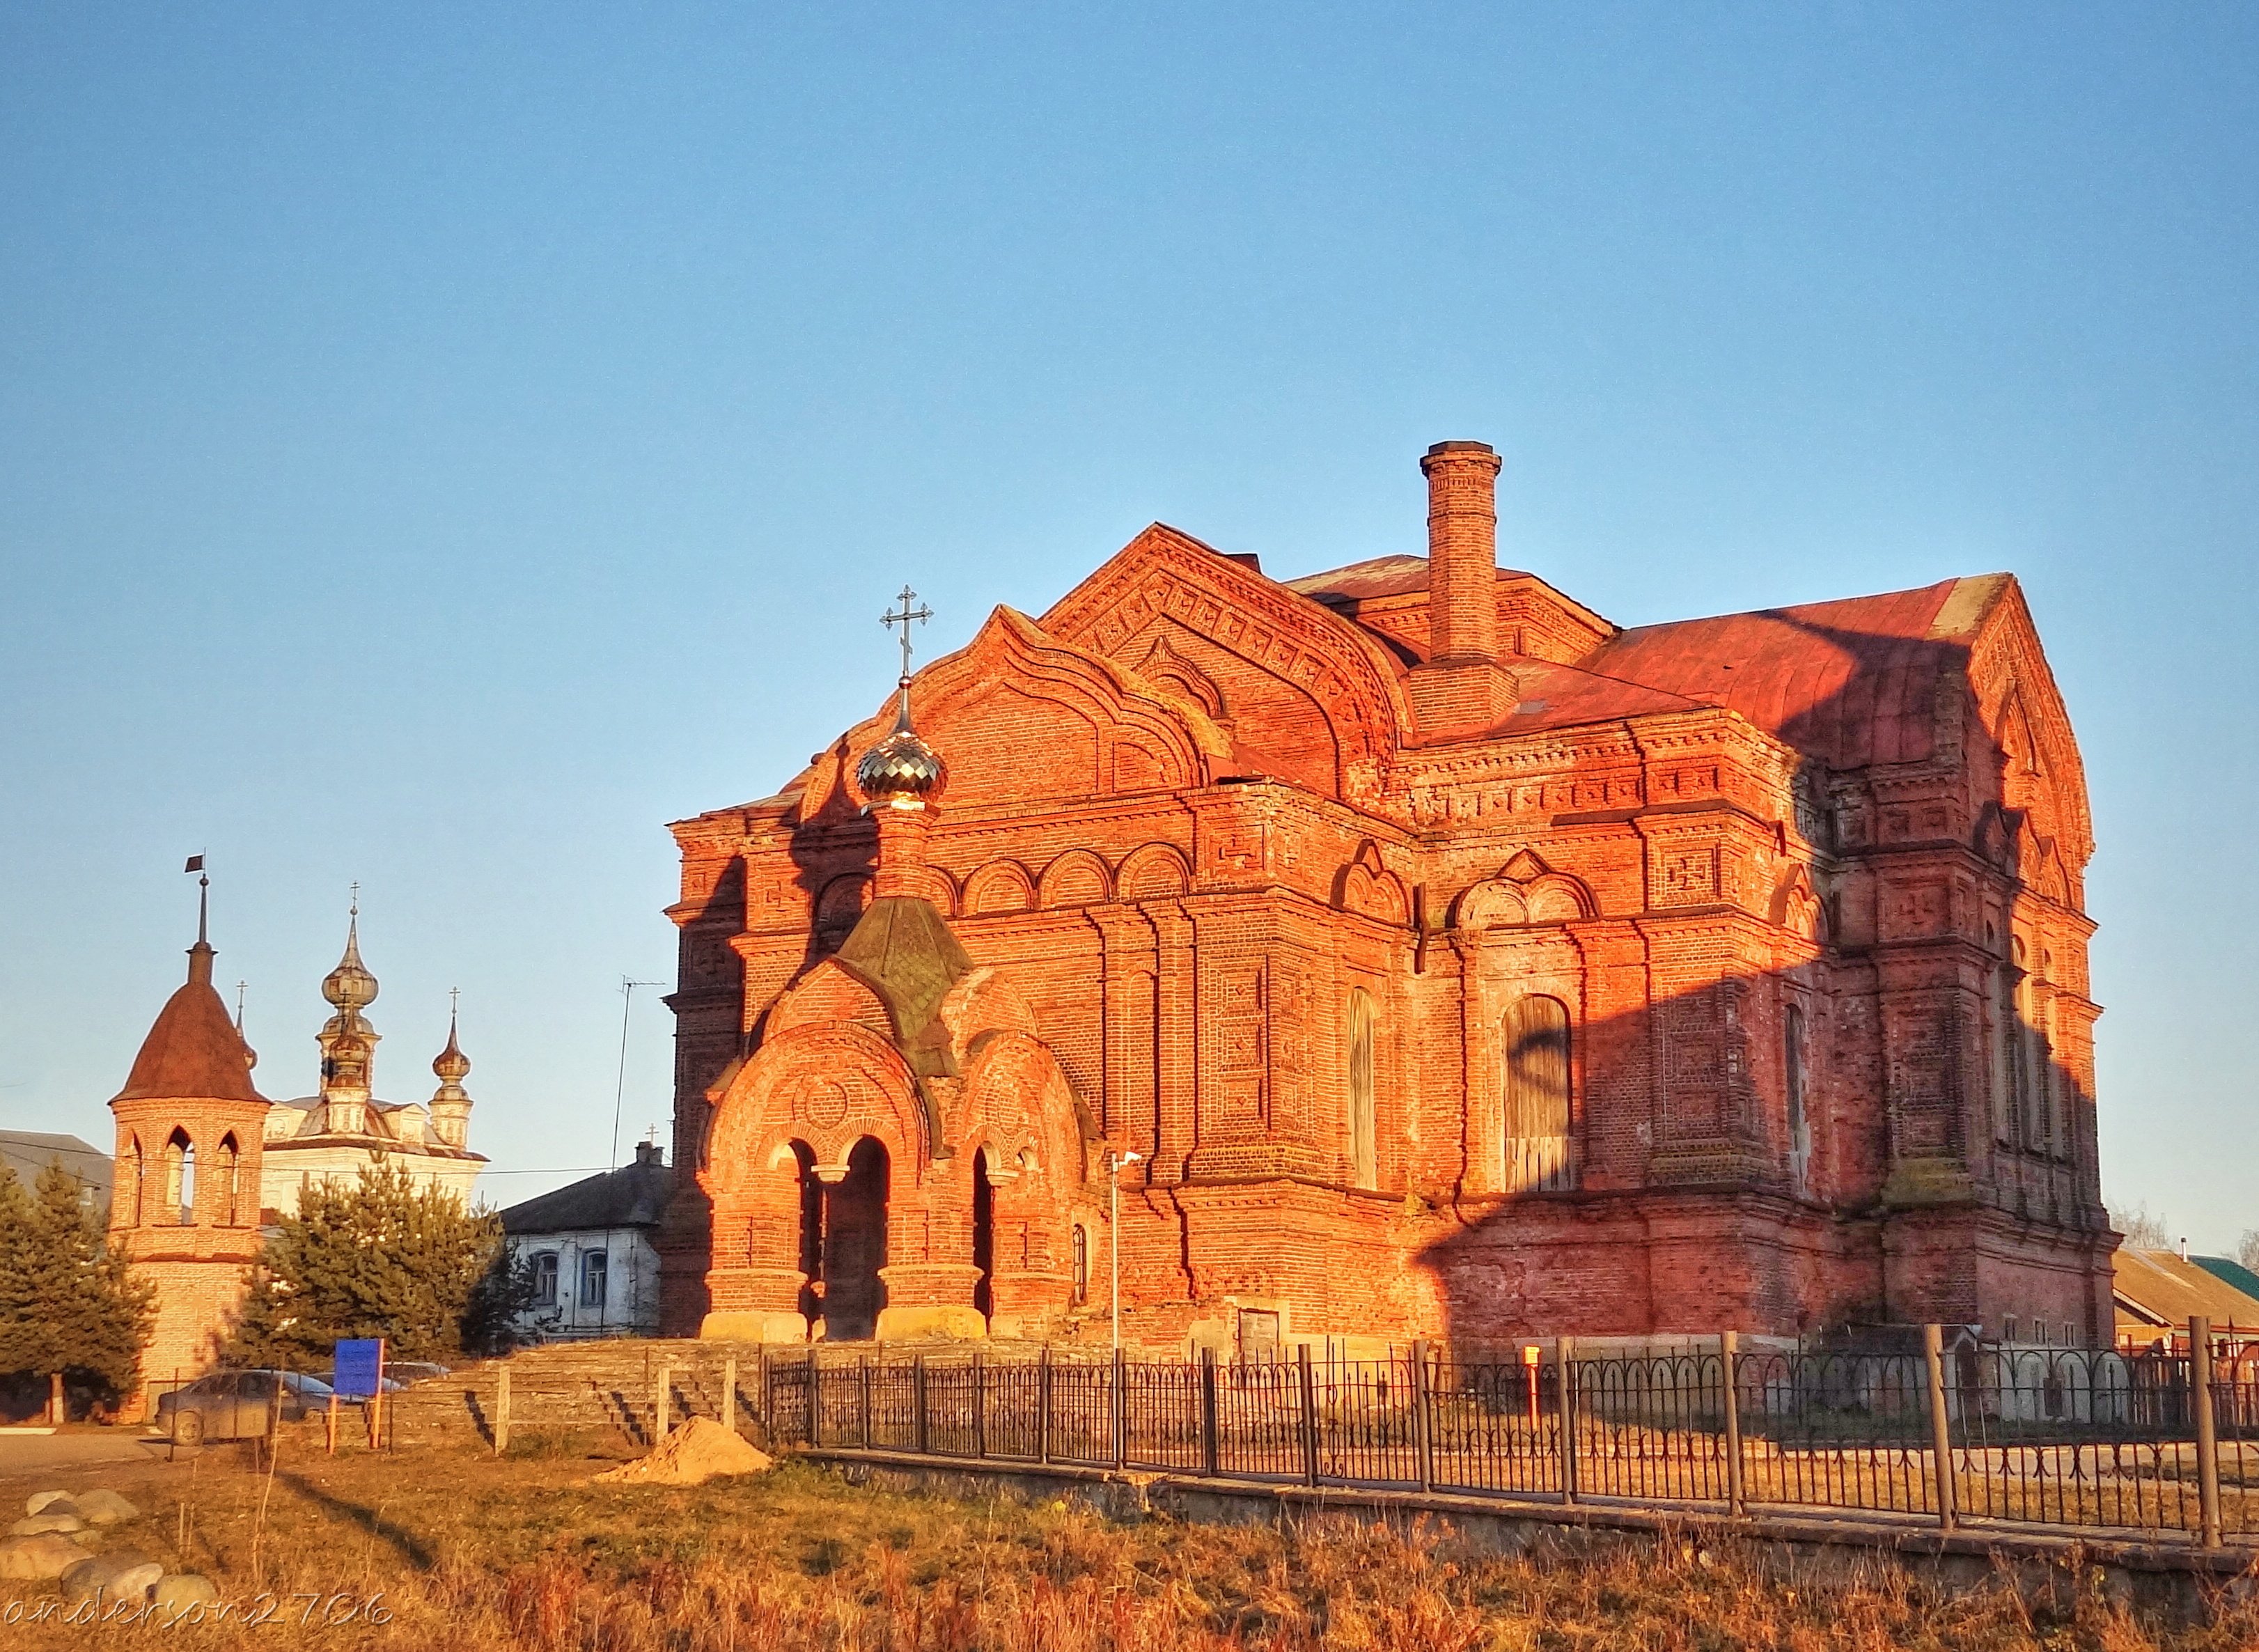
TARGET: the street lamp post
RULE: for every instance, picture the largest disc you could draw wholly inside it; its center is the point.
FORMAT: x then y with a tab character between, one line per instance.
1119	1161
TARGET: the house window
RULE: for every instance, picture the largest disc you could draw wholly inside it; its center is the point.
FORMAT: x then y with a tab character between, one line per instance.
544	1279
593	1267
1535	1040
1363	1167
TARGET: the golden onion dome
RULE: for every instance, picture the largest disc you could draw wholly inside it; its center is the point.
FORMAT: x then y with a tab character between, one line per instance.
350	986
902	771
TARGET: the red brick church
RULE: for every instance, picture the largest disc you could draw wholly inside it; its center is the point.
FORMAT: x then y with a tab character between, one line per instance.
1454	962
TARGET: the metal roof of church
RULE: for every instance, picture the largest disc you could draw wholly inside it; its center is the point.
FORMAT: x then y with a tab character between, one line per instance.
1850	682
903	949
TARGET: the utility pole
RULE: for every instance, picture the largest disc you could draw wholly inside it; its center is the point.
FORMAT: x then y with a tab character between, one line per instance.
1117	1164
620	1086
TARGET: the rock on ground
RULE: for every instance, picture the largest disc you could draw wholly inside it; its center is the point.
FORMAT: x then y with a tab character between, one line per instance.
121	1573
105	1507
37	1558
48	1521
41	1502
699	1451
176	1591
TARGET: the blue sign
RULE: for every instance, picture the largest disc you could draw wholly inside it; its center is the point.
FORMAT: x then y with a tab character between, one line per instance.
360	1367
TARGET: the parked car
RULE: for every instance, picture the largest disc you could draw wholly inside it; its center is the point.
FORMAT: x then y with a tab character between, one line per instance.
235	1405
398	1373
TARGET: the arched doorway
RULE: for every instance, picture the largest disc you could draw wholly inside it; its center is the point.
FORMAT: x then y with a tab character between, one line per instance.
810	1257
854	1243
984	1235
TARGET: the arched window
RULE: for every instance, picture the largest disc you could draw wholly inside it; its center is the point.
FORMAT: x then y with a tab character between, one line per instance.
1363	1156
2004	1055
225	1168
1081	1265
180	1179
596	1270
1800	1120
544	1279
2031	1058
1539	1155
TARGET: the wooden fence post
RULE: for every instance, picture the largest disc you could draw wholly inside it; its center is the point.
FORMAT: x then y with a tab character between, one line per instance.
767	1384
1424	1417
662	1402
1309	1386
1940	1427
1043	1405
1729	1360
730	1393
502	1409
2207	1432
1564	1411
1211	1448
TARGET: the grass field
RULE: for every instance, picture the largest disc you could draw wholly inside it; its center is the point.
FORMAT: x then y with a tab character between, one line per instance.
462	1552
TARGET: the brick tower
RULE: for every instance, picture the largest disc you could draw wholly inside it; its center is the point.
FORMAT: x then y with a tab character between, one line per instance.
186	1206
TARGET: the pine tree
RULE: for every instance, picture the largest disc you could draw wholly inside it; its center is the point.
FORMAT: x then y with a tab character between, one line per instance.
67	1304
379	1257
102	1315
23	1338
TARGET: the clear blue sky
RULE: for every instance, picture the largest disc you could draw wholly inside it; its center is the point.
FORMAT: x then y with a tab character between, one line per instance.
440	445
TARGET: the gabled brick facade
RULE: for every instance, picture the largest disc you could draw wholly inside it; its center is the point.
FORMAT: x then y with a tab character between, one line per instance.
1456	964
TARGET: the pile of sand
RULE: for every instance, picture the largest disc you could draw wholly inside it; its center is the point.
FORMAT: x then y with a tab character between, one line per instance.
699	1451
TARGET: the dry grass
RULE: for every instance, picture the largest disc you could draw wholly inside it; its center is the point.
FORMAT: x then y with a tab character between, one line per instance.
476	1555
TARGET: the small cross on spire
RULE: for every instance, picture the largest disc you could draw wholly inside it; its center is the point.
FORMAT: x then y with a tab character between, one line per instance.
891	619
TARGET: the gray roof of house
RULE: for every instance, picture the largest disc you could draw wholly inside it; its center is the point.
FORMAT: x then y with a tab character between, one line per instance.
632	1196
28	1152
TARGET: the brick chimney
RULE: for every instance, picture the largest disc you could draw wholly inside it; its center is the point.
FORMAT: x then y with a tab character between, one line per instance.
1462	689
1461	551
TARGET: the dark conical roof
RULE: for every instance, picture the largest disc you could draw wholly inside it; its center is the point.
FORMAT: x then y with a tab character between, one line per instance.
194	1052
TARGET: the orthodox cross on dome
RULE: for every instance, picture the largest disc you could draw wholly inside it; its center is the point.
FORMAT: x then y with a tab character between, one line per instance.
890	619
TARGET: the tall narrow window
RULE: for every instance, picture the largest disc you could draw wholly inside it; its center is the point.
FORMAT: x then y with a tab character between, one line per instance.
179	1204
1081	1275
133	1180
544	1279
1364	1158
1539	1155
595	1269
2004	1055
225	1169
1799	1123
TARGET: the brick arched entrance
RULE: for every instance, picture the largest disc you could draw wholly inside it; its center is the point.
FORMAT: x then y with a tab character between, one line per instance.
855	1244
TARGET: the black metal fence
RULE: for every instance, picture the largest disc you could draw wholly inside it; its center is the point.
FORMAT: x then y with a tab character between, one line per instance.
1947	1433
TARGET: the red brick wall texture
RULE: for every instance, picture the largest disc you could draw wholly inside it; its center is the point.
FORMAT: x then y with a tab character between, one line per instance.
1722	972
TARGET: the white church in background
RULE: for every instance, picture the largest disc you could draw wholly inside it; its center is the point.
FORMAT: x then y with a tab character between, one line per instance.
344	1128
